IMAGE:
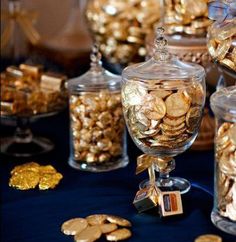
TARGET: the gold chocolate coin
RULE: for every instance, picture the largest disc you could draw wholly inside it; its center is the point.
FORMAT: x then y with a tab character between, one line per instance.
174	121
118	220
177	104
108	228
89	234
193	116
74	226
208	238
232	134
119	234
156	109
96	219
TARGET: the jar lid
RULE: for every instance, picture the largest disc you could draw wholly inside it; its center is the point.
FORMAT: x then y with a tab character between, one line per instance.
96	77
163	66
223	103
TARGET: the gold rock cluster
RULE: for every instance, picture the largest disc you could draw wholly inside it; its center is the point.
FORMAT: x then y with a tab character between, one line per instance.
28	90
222	44
163	119
120	27
226	169
97	126
94	226
30	175
186	17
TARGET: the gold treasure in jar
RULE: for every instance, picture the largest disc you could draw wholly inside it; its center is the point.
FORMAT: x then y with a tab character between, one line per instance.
186	16
120	27
226	162
222	43
27	90
97	126
165	118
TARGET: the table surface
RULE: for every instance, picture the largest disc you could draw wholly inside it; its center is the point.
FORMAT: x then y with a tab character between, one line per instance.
33	216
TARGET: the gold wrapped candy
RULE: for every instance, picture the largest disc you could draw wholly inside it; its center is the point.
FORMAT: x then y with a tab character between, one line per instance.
27	90
30	175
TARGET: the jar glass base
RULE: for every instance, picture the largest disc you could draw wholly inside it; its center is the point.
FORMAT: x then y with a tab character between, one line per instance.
174	184
223	223
122	162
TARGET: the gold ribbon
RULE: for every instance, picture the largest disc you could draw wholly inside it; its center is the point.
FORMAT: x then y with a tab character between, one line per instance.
149	162
25	20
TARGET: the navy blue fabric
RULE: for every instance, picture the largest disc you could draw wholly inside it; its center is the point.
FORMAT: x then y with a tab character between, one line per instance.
36	216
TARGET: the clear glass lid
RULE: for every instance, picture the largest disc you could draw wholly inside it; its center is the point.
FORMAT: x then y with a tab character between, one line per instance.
163	66
96	77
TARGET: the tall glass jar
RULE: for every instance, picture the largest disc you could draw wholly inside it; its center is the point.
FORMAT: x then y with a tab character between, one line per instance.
223	103
98	141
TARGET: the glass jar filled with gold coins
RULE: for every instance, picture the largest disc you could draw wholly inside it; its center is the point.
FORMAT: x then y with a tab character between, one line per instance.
163	100
222	35
223	103
120	27
97	125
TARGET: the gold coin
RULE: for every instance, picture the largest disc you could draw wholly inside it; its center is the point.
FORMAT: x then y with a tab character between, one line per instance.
89	234
49	180
228	63
208	238
212	45
107	228
96	219
223	48
193	117
31	166
166	127
174	121
156	109
74	226
119	234
161	93
177	104
174	133
232	134
24	180
118	220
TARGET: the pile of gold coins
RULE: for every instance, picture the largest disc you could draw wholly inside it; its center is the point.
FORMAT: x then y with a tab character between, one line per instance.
93	227
27	90
208	238
222	43
120	27
226	165
30	175
97	126
186	17
165	118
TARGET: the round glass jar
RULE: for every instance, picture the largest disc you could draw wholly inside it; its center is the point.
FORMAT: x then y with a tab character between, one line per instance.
163	100
223	104
120	27
98	141
221	38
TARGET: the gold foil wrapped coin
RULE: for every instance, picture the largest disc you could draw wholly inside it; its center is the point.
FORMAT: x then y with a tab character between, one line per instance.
74	226
208	238
89	234
107	228
119	234
118	220
96	219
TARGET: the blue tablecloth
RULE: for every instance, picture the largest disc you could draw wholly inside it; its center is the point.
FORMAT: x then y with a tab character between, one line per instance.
36	216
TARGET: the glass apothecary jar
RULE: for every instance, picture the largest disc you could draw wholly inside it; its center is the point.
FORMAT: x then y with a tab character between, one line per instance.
223	103
163	101
98	141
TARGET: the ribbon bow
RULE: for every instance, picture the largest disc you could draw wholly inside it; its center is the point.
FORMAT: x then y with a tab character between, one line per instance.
221	10
24	19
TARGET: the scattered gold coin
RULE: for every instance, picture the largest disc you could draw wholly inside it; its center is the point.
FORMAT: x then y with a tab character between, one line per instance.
74	226
119	234
118	220
30	175
107	228
208	238
96	219
89	234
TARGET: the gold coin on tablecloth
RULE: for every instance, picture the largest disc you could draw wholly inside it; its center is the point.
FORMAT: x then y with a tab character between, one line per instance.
96	219
48	181
118	220
208	238
177	104
89	234
24	180
32	166
74	226
119	234
108	228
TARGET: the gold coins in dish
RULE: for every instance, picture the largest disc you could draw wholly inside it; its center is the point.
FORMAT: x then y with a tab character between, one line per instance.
222	43
94	226
97	126
164	119
208	238
225	153
27	91
186	17
30	175
120	27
